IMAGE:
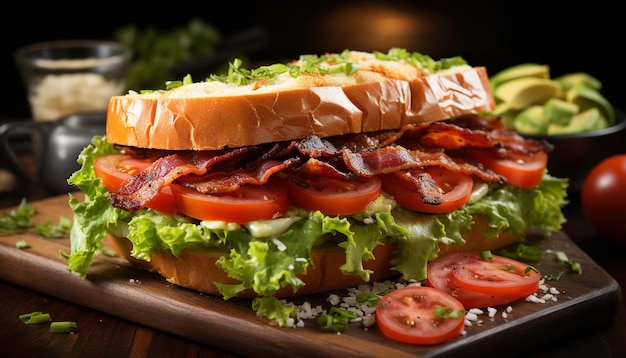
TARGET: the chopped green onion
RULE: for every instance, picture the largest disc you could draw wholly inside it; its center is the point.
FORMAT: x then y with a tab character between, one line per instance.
331	63
35	317
336	320
419	60
448	313
563	259
370	298
62	327
26	316
109	253
555	276
523	253
486	255
530	268
22	244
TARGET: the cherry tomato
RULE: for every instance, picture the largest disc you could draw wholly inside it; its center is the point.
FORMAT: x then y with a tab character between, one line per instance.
525	171
333	196
248	203
439	275
603	197
115	169
409	315
495	276
456	187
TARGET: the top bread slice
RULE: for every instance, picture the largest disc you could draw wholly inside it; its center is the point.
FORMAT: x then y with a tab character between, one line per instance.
213	115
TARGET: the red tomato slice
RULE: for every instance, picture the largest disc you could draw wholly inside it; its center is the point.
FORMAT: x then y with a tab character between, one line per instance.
248	203
439	275
457	189
496	276
333	196
115	169
525	171
408	315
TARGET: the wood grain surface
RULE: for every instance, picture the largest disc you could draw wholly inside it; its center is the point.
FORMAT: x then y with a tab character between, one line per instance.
116	288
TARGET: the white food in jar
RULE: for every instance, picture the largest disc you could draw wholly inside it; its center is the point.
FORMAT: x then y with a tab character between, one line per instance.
59	95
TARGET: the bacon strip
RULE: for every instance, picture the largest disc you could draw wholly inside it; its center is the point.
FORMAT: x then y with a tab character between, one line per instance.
425	186
143	187
451	136
342	157
224	182
395	158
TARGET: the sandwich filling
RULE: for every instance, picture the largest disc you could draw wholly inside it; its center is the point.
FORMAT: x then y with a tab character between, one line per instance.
268	253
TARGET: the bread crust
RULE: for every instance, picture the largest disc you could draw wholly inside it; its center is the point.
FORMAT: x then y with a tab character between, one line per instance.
198	121
197	270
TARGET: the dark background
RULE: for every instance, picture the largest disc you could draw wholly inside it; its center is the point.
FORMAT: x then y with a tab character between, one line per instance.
491	33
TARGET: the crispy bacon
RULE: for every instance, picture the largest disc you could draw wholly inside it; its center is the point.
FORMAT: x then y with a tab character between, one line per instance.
425	186
144	186
224	182
451	136
343	157
395	158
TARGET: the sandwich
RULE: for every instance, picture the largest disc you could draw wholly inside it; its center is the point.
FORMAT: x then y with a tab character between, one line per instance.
310	176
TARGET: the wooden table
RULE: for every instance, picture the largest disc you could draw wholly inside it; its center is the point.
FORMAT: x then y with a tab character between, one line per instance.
112	336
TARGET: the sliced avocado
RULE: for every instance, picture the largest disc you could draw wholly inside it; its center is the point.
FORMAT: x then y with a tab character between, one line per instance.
531	120
586	98
571	80
523	92
501	108
589	120
559	111
508	119
519	71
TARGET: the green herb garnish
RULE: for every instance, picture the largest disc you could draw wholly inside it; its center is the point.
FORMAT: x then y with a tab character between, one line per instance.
62	327
336	320
448	313
47	229
563	259
35	317
19	218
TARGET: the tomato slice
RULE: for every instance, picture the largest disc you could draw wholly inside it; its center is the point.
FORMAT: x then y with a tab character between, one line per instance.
439	275
521	170
495	276
408	315
115	169
332	196
457	189
248	203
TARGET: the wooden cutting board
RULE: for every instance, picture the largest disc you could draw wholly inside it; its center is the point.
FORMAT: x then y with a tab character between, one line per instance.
114	287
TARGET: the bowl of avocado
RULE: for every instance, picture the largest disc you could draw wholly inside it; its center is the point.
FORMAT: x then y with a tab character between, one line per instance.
568	111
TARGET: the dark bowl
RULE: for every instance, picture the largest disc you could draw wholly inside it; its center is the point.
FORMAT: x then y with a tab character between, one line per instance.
574	155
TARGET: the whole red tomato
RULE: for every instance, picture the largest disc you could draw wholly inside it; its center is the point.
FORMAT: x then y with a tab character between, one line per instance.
603	197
